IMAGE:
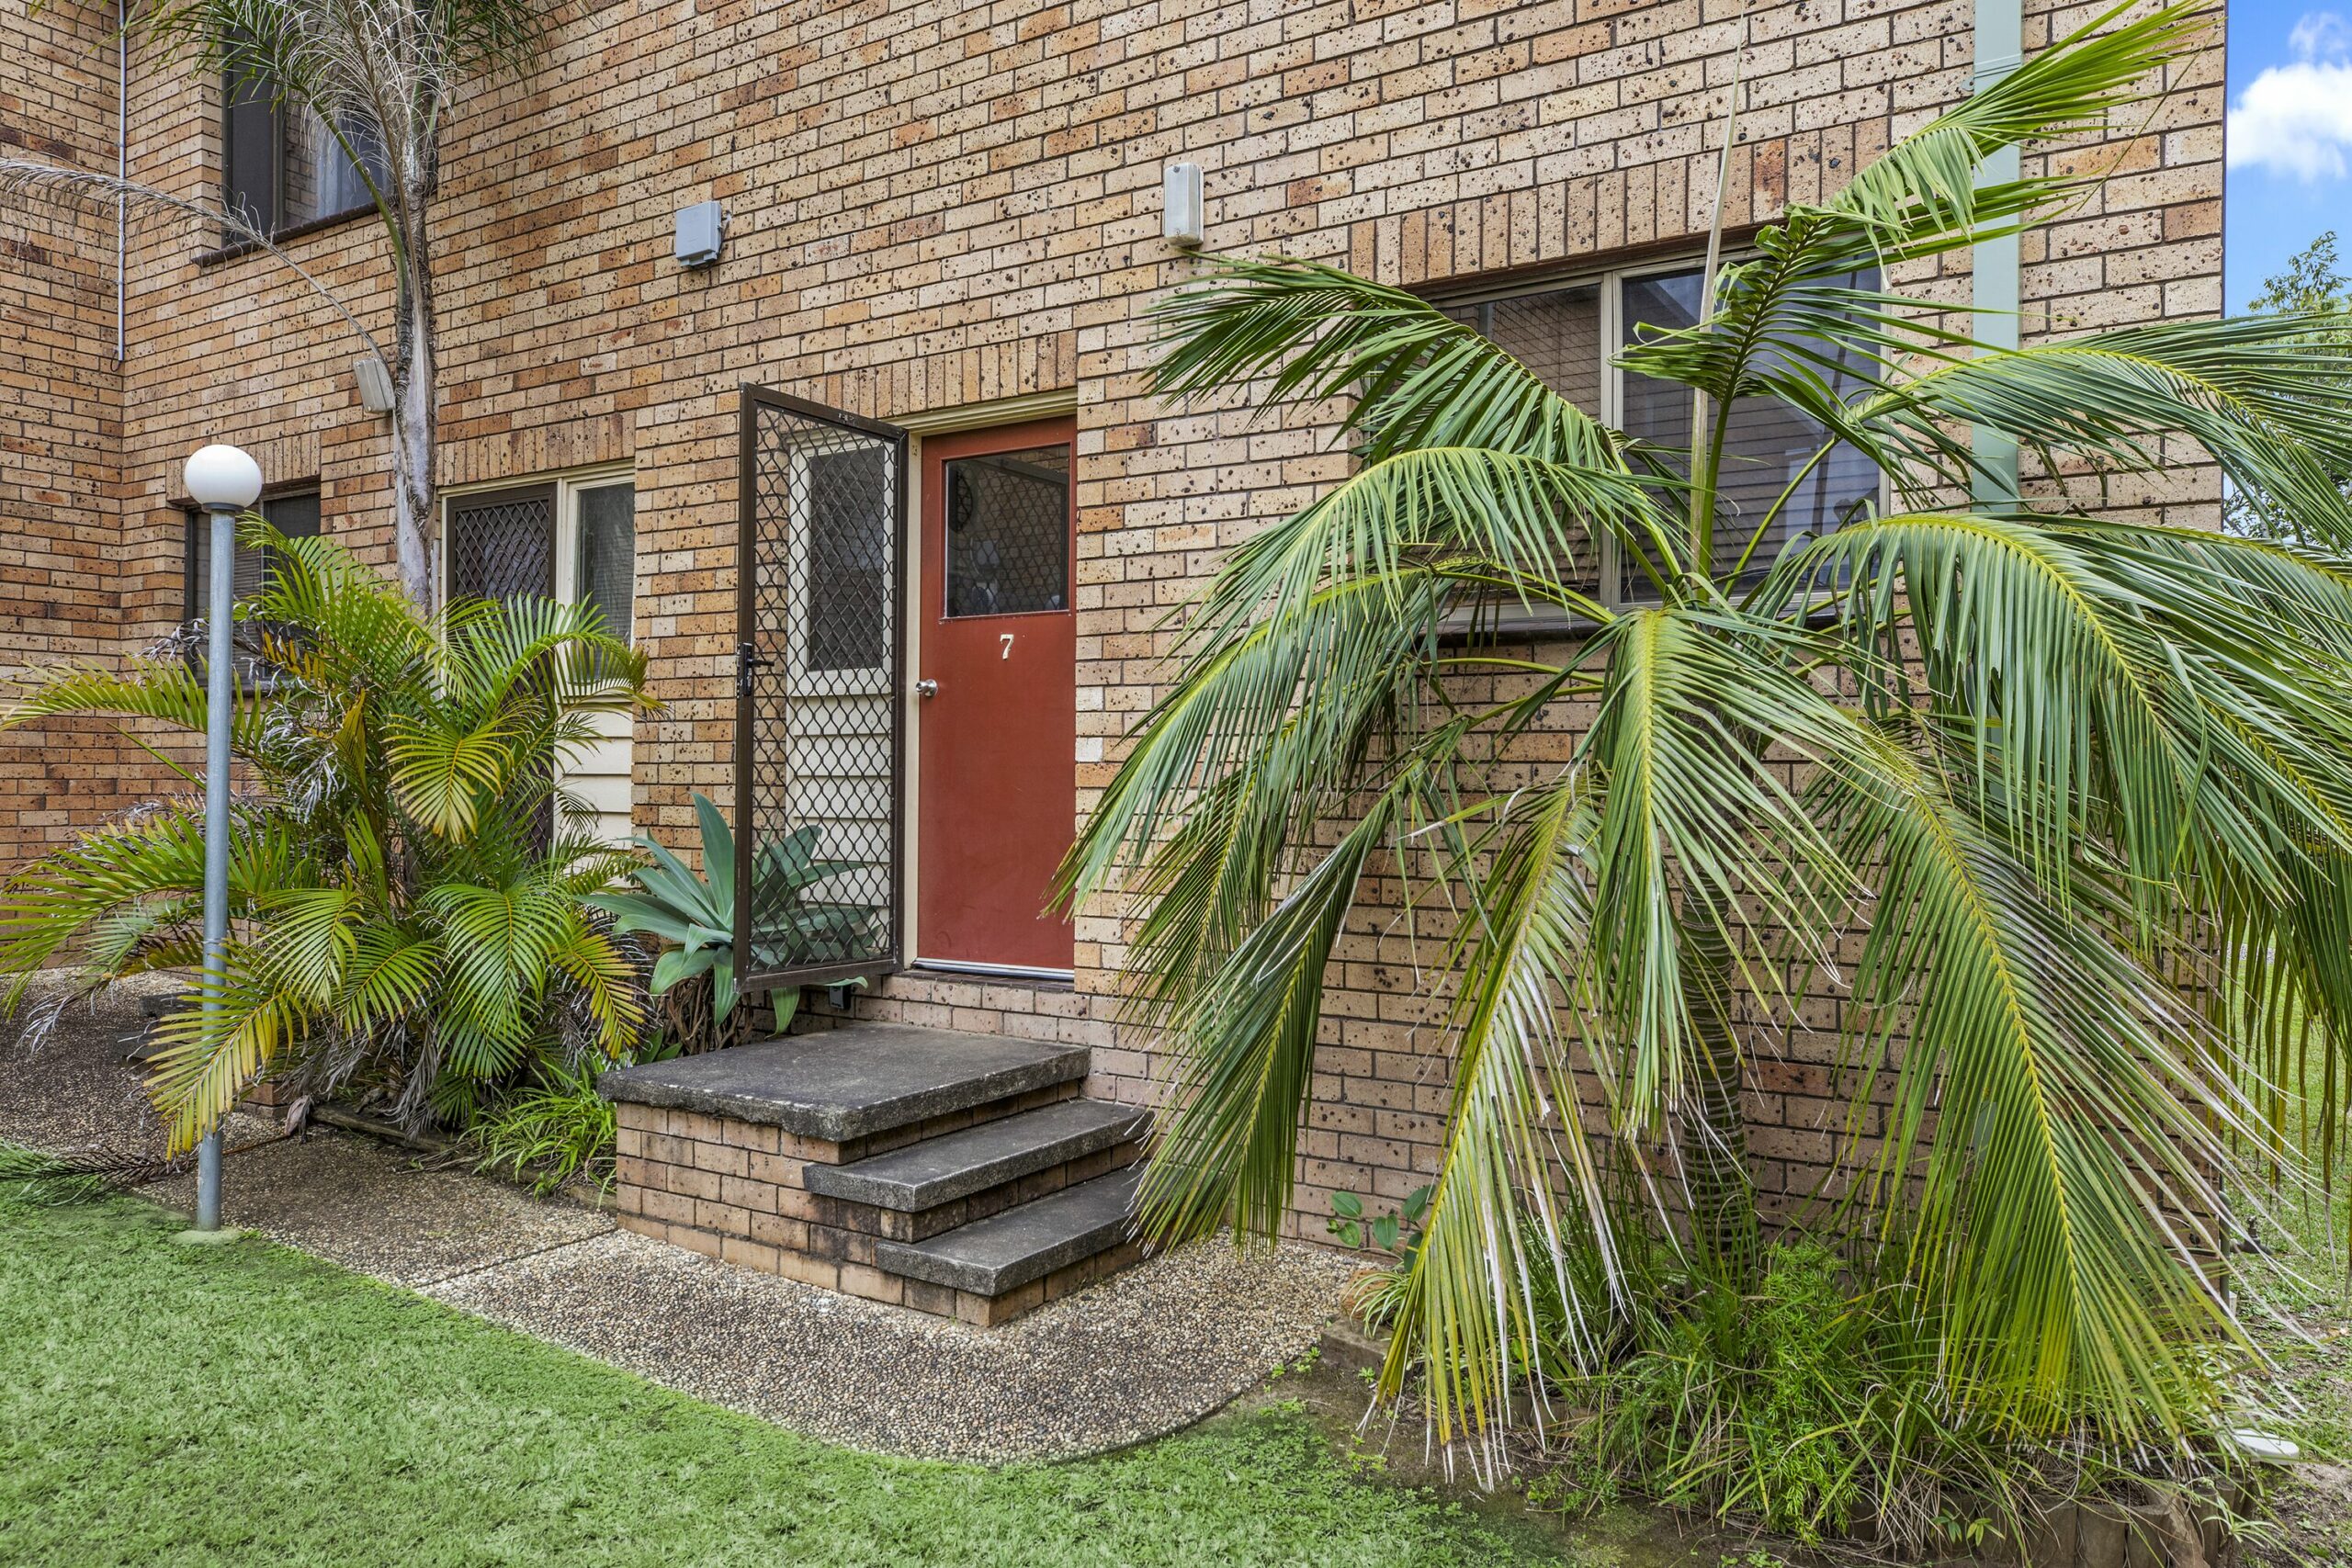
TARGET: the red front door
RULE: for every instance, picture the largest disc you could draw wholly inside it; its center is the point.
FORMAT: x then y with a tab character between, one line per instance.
997	724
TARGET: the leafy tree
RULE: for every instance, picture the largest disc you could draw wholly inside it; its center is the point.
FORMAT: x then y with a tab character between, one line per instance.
407	897
380	77
2002	773
2310	287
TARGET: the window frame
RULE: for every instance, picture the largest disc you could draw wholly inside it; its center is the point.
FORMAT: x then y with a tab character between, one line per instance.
803	679
569	530
253	674
235	87
1609	280
193	593
1066	482
566	489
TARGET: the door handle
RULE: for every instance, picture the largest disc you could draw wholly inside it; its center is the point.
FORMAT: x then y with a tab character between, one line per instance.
926	688
748	659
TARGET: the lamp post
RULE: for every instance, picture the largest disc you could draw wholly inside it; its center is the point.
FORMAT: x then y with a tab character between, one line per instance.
224	481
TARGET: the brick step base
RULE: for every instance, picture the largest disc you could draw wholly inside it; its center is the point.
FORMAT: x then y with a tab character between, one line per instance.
953	1173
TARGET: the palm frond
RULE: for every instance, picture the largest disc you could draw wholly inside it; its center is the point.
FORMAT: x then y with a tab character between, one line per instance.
1926	185
222	1037
1414	377
1227	1152
2069	1179
2270	396
1512	1121
1698	833
167	691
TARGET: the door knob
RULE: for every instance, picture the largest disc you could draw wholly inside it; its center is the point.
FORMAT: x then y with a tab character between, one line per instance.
926	688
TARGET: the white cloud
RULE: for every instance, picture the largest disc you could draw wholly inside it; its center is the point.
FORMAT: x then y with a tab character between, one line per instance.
2297	119
2319	35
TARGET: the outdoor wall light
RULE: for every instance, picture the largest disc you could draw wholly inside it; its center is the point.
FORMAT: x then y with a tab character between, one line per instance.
224	480
375	384
1180	215
702	231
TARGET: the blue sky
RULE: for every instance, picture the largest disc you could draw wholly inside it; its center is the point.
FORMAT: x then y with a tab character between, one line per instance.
2290	135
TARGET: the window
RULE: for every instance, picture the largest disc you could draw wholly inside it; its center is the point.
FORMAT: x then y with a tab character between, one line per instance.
572	539
603	558
1008	533
500	546
281	166
847	545
1567	332
294	515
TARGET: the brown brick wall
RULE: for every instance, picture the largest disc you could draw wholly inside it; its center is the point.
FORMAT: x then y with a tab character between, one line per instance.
59	422
939	202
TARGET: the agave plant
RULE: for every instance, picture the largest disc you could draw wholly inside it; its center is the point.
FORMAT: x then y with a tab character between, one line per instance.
695	913
2002	772
400	911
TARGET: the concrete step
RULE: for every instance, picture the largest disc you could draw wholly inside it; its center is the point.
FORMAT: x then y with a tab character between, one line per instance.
850	1083
959	1165
993	1257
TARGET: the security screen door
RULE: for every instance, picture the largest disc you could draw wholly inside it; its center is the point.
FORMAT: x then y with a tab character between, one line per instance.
819	706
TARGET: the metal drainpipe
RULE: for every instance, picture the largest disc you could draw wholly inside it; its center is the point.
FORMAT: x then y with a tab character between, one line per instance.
2000	49
121	170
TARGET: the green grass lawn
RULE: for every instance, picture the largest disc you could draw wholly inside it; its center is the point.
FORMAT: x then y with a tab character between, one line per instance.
162	1403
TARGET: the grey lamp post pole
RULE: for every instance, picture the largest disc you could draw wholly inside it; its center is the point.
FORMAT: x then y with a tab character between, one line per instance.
224	480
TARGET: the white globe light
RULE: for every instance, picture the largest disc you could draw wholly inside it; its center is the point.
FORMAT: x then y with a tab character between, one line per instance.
223	479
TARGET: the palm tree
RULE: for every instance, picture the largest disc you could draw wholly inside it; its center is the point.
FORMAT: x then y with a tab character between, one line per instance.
407	893
2043	760
379	78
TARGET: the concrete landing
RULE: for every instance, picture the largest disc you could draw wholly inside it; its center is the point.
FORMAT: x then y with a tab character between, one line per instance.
849	1083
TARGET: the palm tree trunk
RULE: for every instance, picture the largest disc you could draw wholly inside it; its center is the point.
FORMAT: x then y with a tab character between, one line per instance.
415	532
1721	1188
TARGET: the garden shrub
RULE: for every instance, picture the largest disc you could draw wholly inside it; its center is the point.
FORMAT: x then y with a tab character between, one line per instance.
409	884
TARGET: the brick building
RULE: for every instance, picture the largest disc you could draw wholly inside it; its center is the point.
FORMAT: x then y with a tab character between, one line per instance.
945	216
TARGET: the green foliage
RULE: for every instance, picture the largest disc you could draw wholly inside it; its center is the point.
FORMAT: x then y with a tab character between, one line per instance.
2311	283
1396	1233
2313	289
2003	775
407	893
1809	1410
695	914
30	1177
373	1425
557	1130
378	76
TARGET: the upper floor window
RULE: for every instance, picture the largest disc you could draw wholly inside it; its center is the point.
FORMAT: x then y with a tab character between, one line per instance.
1566	333
283	168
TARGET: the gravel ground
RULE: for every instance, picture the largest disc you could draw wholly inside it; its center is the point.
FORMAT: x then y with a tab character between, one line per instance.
1153	1350
370	1207
69	1080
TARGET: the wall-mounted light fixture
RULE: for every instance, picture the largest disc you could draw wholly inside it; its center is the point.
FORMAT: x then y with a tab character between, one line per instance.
702	231
1181	214
375	384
